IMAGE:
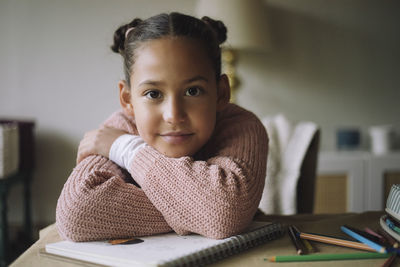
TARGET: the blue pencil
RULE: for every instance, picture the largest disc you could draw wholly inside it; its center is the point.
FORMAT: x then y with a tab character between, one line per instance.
364	240
365	234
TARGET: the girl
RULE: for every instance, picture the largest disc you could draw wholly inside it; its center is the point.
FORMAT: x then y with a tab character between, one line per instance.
178	156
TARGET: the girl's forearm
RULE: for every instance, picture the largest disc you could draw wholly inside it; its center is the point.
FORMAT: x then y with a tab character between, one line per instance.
97	203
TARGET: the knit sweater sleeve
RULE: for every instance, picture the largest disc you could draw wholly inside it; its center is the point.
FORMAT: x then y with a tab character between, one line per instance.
218	196
99	201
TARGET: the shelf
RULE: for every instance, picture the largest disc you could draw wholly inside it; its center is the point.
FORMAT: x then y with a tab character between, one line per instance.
366	175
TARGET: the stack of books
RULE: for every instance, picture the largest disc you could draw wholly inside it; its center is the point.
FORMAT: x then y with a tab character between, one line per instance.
390	222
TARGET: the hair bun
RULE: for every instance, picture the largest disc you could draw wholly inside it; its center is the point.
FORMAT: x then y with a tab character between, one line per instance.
218	27
120	35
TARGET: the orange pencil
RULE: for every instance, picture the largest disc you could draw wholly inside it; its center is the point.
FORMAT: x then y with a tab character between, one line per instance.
336	241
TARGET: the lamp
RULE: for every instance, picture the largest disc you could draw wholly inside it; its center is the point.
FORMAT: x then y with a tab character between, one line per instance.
247	30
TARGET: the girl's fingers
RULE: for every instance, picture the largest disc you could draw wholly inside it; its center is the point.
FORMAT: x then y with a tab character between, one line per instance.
97	142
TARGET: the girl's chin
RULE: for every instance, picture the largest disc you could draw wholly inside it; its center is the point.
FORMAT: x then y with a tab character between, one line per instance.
174	153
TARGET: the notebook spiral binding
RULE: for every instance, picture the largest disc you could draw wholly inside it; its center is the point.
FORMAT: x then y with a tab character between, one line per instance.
235	245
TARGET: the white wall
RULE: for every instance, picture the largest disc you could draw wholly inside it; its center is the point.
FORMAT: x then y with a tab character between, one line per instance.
56	67
333	62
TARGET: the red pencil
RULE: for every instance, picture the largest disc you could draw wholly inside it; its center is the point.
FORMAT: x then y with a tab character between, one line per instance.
381	238
372	232
389	261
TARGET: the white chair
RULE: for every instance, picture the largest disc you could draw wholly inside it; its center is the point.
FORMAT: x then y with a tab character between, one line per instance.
291	166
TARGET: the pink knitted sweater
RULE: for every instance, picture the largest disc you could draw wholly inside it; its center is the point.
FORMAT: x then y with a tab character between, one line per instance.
215	193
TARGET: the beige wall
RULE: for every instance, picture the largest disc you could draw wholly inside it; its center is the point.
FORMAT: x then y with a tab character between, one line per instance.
333	62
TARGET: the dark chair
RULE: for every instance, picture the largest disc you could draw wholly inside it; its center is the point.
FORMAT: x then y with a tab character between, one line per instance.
307	179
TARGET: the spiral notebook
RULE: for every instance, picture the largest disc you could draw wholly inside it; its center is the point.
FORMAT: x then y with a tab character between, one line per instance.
166	249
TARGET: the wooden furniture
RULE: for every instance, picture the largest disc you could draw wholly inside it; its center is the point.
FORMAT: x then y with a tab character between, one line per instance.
24	176
354	181
328	224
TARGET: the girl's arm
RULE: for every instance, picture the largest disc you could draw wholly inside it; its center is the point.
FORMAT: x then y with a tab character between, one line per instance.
216	197
99	201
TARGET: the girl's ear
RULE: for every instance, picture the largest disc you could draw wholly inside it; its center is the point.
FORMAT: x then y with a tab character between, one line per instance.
125	98
223	92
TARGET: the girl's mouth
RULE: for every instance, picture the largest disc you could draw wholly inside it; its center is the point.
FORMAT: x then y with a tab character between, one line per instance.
176	138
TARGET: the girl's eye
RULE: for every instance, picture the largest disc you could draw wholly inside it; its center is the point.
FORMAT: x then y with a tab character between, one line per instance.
193	91
153	94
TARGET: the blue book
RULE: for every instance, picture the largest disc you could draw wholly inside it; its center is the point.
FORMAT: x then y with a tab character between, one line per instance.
364	240
392	225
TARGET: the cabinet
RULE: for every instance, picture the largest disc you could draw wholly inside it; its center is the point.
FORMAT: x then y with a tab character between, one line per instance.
354	181
24	176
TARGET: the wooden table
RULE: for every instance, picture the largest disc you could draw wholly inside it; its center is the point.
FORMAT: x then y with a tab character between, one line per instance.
324	224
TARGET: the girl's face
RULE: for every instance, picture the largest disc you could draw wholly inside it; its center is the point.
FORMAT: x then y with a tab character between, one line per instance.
174	95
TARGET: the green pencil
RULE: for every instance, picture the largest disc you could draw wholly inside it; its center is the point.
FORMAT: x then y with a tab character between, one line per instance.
329	257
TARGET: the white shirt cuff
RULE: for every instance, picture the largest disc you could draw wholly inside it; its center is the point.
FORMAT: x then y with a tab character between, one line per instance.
124	149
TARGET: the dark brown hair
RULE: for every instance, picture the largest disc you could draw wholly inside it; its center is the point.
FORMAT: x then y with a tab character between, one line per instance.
210	33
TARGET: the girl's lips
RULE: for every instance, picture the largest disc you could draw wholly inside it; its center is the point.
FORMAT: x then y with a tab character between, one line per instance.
176	138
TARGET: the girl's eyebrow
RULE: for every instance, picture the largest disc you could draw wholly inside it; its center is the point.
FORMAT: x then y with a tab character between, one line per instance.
158	83
151	82
196	78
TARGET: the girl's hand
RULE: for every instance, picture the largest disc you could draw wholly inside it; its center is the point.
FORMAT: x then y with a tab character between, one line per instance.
98	142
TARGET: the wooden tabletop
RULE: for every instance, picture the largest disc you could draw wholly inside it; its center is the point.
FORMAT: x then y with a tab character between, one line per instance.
323	224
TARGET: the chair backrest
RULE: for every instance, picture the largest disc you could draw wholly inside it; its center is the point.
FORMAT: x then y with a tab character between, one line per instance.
307	179
26	142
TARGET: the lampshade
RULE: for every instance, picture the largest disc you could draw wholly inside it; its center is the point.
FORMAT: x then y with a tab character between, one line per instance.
245	20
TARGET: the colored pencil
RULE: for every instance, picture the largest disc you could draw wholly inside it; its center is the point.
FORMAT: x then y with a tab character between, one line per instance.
132	240
364	240
389	261
329	257
336	241
295	241
390	239
307	245
310	248
365	234
393	250
372	232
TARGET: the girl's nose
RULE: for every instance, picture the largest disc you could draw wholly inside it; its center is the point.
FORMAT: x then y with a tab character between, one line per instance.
174	111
